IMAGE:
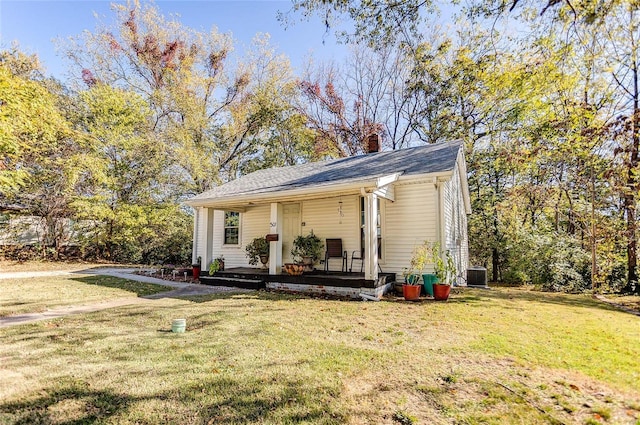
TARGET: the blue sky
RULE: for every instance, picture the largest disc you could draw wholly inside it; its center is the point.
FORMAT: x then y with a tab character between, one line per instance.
35	24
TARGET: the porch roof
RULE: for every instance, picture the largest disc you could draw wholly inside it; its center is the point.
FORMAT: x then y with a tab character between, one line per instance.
331	175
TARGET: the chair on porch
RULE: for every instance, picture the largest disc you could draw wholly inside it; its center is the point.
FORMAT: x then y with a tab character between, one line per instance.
334	250
359	255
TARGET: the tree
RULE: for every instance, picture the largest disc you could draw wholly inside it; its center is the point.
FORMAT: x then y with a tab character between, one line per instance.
264	129
35	144
376	22
341	124
613	56
31	126
121	172
206	113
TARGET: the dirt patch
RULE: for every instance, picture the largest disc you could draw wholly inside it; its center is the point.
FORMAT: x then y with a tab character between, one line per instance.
489	390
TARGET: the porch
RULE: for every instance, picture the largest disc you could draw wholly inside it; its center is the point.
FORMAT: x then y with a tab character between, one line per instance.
317	281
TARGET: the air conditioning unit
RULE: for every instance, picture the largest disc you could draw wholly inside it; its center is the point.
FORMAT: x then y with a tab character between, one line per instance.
477	276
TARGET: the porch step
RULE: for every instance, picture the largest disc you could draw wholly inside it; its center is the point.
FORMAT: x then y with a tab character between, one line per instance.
235	282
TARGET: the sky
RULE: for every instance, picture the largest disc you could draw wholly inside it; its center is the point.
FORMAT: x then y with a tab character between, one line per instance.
35	24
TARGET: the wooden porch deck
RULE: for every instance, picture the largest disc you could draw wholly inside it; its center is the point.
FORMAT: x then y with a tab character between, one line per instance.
244	277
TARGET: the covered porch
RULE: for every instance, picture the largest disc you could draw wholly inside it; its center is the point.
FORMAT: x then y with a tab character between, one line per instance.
285	215
317	281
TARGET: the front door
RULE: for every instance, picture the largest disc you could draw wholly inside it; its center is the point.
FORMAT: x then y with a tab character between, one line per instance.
290	229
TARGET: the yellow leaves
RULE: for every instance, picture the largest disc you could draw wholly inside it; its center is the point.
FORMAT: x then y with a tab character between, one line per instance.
31	124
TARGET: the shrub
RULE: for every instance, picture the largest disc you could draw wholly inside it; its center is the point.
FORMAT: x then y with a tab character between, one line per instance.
255	249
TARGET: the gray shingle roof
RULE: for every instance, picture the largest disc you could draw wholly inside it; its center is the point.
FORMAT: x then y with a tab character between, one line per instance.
435	158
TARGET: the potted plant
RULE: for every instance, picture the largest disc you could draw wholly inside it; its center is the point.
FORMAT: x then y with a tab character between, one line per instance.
430	251
411	287
258	249
215	266
220	261
196	268
308	249
445	269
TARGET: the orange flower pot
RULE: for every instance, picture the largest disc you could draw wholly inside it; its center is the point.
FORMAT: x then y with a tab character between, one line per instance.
411	292
441	292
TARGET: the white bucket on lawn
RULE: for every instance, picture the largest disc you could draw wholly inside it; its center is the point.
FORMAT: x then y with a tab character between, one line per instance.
178	325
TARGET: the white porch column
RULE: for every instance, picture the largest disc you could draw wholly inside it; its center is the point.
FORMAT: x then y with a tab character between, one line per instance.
371	236
207	233
275	248
440	231
195	250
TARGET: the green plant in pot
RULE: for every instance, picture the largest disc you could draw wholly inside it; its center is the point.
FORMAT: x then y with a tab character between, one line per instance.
423	255
411	287
214	267
307	249
258	250
446	271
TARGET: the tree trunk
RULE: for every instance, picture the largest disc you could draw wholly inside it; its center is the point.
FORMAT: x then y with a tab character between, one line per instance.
631	186
494	264
632	245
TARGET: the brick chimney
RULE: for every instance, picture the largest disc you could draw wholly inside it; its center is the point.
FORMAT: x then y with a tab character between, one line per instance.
373	144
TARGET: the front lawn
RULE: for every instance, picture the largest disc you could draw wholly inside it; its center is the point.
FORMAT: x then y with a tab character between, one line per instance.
34	295
499	356
48	266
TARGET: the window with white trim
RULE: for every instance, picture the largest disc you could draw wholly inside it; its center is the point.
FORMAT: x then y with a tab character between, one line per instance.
231	228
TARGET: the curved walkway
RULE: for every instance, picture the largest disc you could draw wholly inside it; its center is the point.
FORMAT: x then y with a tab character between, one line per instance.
180	290
618	306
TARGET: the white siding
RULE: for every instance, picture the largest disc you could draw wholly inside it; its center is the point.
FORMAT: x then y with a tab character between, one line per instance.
22	230
254	222
30	230
408	222
456	238
323	217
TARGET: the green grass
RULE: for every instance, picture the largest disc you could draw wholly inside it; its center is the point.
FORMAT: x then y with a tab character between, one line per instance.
41	266
39	294
484	357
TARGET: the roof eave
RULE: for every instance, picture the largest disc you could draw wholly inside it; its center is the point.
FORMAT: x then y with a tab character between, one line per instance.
441	175
282	195
310	192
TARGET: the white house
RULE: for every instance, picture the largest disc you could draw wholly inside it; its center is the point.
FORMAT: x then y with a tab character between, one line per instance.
19	229
382	204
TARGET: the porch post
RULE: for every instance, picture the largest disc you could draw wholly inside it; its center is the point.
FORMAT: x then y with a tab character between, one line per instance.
275	248
371	237
207	249
195	250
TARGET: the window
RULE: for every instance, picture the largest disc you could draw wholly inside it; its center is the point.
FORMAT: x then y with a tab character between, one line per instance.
231	228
